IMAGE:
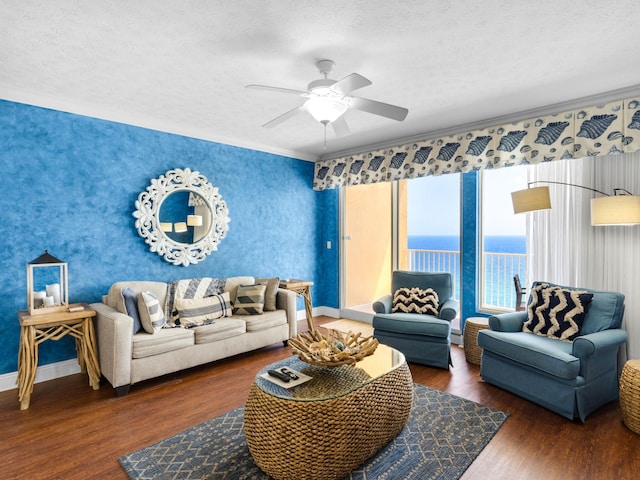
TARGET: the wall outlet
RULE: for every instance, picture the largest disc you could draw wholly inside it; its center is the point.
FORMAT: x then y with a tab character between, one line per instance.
329	245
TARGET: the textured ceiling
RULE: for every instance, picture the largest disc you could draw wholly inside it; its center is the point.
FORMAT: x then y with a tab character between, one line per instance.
181	66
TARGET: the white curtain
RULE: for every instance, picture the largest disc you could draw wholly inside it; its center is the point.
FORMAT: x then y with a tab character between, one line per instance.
564	248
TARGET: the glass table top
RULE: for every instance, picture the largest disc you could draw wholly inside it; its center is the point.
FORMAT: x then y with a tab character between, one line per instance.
330	382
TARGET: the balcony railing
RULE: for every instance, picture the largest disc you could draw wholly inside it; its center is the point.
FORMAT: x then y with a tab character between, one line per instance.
497	289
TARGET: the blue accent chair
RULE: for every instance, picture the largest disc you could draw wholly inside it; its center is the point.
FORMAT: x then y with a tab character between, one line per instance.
422	338
570	379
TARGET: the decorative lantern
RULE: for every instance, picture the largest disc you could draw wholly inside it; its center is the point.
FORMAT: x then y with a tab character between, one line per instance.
47	285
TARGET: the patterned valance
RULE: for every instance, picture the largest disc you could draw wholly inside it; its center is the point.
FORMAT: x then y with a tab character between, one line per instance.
593	131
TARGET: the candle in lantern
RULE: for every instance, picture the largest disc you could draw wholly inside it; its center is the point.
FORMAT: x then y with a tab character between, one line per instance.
53	290
38	299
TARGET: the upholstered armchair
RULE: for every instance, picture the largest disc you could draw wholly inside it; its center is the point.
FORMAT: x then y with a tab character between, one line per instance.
571	367
422	337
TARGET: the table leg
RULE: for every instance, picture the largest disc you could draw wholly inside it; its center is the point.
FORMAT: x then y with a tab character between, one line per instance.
27	365
89	354
308	306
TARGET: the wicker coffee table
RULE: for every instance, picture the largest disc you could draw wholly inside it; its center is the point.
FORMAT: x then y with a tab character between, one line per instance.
326	427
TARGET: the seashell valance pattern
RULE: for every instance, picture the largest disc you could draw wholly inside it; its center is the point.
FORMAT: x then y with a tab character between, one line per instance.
599	130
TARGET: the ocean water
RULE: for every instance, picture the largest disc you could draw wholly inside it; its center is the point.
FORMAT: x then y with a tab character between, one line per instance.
493	244
498	289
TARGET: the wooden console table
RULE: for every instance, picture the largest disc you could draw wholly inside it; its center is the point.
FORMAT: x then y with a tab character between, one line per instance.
302	288
35	329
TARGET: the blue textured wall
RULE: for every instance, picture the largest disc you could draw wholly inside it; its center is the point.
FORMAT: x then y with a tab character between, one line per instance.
69	186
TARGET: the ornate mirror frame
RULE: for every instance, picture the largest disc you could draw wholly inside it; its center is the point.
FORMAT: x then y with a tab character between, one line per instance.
147	216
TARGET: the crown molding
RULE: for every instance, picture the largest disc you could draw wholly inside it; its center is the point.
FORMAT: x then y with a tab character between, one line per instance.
98	112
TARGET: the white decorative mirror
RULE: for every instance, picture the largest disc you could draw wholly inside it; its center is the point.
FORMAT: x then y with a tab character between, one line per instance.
181	216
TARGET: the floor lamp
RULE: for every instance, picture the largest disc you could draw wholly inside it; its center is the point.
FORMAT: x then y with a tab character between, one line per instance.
621	208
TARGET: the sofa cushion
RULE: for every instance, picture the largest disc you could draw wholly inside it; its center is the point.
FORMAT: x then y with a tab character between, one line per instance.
412	324
223	328
556	312
114	296
606	310
151	315
166	340
272	291
415	300
255	323
232	283
193	312
548	355
130	301
249	300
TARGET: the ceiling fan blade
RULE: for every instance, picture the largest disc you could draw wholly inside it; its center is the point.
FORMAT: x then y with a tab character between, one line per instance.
350	83
284	117
289	91
340	127
378	108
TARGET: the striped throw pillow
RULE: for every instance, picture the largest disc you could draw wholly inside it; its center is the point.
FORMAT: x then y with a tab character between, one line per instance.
194	312
151	315
249	300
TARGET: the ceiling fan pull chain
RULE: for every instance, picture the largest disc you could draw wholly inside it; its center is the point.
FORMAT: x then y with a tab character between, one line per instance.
325	134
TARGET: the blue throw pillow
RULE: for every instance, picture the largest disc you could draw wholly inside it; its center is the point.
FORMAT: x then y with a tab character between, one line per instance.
131	305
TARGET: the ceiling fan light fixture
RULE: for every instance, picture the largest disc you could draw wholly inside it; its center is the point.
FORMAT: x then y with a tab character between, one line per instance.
326	109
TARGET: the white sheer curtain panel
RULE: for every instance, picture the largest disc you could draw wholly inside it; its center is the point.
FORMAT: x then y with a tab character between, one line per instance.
564	248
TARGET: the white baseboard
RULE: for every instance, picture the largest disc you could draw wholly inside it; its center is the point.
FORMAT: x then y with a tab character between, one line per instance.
9	381
317	311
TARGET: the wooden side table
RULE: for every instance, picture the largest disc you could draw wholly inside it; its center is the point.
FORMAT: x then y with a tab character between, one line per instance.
35	329
302	288
472	326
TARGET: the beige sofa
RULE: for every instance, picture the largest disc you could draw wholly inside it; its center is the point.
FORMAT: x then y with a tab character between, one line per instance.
127	358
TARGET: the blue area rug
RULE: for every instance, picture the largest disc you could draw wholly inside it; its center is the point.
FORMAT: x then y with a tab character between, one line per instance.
443	435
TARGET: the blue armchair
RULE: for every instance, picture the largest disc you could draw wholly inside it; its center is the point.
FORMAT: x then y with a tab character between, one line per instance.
571	379
422	338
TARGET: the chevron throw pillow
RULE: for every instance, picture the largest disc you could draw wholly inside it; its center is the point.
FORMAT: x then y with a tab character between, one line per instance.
556	312
249	300
415	300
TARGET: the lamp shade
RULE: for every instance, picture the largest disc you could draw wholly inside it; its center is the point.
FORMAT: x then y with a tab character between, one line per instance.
325	109
530	199
194	220
615	210
180	227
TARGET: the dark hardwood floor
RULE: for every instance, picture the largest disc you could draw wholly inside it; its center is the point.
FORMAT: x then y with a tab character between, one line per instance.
73	432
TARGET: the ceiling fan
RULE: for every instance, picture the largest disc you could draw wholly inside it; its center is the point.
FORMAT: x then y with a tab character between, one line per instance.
327	100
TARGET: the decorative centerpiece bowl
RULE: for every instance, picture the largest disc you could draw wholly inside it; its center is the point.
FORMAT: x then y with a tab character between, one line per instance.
334	349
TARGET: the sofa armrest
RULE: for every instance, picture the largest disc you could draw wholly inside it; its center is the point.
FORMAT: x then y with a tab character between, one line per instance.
287	300
598	351
114	332
383	305
507	322
449	310
588	345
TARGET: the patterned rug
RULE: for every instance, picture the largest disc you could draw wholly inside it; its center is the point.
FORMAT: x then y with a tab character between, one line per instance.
443	435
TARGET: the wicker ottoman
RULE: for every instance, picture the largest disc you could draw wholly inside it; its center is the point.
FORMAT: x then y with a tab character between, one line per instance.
630	395
330	425
472	326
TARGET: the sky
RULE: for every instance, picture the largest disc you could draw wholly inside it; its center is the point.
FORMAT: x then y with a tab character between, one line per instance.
434	203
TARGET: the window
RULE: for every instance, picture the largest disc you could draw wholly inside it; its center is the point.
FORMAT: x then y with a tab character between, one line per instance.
432	240
503	238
